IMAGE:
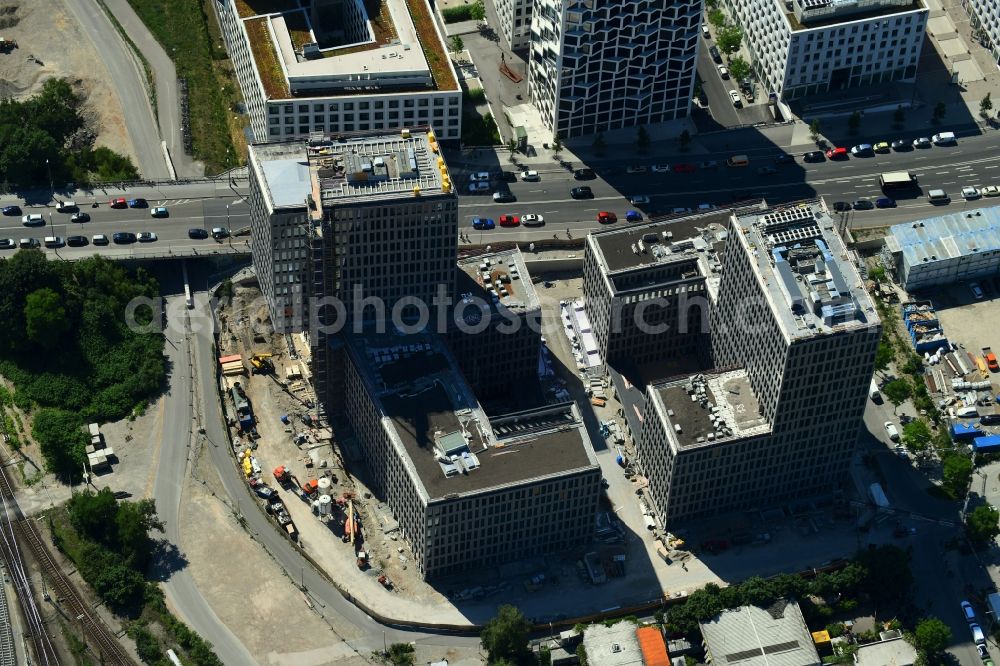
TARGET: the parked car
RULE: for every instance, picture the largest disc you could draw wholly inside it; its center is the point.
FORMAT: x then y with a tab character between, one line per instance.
814	156
685	167
638	199
159	211
7	244
784	158
504	196
532	220
54	242
77	241
33	220
766	170
146	237
120	202
480	176
885	202
922	142
138	203
66	206
890	429
530	175
582	192
198	234
477	186
633	216
881	147
483	223
11	210
509	220
862	149
990	191
123	238
735	98
841	206
716	55
977	291
80	217
708	164
968	612
584	174
27	243
218	233
837	153
508	176
661	168
99	239
863	204
604	217
635	168
969	193
900	145
723	72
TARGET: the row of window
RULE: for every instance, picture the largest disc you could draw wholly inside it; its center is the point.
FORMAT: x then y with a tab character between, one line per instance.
365	115
322	107
288	130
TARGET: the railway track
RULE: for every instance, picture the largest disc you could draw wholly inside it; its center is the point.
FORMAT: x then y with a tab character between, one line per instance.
18	533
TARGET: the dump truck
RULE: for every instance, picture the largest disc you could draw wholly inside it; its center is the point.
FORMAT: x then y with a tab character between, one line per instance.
283	476
310	487
991	359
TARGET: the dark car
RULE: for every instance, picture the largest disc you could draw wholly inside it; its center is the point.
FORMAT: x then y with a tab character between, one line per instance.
885	202
508	176
899	144
989	419
118	203
583	192
483	223
80	217
841	206
11	210
264	492
785	159
584	174
7	244
138	203
863	204
814	156
77	241
198	234
123	238
716	56
766	170
504	196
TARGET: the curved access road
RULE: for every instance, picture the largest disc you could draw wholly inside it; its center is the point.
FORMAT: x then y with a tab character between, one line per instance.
168	103
128	82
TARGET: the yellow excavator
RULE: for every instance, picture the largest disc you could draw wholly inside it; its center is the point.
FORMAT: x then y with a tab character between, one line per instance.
261	364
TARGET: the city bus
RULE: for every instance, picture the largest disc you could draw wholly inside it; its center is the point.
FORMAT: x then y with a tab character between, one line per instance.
897	180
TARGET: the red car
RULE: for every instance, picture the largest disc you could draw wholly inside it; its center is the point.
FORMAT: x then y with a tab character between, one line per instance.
684	167
604	217
836	154
509	220
118	203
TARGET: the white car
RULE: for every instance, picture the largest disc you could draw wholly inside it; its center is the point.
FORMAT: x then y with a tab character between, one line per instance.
530	175
890	429
990	191
723	72
969	193
661	168
639	199
146	237
735	96
532	220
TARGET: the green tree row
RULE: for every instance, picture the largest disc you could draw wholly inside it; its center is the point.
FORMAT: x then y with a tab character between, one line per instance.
43	139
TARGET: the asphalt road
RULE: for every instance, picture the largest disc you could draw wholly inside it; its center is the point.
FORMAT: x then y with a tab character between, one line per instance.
128	82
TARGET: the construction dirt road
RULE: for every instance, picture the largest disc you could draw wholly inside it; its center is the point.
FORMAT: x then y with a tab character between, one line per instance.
50	44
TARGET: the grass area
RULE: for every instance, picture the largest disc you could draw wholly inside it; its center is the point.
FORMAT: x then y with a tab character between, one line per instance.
232	97
181	26
479	131
248	8
298	29
381	21
266	57
431	45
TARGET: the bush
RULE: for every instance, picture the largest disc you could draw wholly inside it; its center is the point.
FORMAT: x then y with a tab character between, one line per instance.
836	629
457	14
63	443
476	96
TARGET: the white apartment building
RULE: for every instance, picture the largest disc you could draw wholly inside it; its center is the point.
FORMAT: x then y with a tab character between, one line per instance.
800	48
515	22
340	66
599	65
984	17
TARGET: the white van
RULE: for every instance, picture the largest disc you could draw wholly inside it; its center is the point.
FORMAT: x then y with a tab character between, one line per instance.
873	393
977	634
738	161
66	206
943	138
54	241
938	197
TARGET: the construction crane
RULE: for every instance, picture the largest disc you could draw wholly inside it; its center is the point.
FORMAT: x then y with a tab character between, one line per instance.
261	364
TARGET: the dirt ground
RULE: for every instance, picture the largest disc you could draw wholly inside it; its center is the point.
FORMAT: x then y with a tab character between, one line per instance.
51	44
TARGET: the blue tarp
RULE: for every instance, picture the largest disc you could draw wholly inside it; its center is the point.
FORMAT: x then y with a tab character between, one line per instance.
987	444
964	430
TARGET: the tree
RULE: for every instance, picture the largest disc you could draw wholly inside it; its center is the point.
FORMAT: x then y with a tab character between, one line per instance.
581	655
729	38
956	472
45	318
814	129
899	116
916	435
400	654
932	636
456	44
888	572
62	441
854	122
913	365
739	68
717	18
939	111
684	139
642	139
478	11
985	105
877	274
598	145
982	524
506	635
896	392
556	144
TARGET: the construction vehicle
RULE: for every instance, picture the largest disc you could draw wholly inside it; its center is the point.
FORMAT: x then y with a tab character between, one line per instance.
384	581
310	487
7	45
260	364
362	560
283	476
991	359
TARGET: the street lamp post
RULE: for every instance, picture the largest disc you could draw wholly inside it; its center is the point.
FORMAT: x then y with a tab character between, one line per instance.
48	170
